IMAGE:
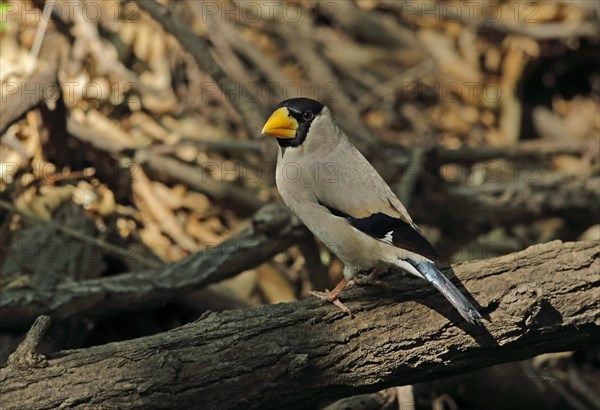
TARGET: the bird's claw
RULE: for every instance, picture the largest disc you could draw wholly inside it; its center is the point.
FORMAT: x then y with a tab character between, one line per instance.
331	297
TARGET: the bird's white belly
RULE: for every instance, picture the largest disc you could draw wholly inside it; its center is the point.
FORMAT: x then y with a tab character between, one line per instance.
356	250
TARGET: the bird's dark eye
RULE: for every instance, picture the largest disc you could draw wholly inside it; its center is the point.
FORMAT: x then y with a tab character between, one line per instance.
308	115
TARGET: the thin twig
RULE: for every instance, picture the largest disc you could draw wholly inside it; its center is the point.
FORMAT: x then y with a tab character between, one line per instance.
39	38
26	356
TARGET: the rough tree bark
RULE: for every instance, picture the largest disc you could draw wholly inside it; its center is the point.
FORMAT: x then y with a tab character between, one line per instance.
303	354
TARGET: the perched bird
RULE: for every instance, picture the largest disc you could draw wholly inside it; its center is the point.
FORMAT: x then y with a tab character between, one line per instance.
342	199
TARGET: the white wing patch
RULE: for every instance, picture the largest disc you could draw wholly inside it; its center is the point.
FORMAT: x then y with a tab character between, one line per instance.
388	237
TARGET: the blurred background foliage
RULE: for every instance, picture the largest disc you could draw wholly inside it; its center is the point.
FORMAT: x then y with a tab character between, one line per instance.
120	153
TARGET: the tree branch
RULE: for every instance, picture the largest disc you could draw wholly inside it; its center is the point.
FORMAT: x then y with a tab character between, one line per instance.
303	354
534	195
524	151
272	230
26	356
18	98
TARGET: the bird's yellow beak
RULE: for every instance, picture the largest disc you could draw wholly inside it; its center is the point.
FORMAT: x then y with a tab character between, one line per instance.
281	124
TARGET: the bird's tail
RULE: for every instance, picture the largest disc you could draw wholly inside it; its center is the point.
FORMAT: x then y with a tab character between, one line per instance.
431	273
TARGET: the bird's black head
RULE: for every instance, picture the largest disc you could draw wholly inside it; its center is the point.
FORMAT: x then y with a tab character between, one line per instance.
291	120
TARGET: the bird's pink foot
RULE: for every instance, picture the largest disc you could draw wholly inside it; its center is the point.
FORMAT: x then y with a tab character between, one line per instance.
330	297
333	295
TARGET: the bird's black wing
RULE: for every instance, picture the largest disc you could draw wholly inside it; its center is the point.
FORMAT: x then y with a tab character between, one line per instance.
394	231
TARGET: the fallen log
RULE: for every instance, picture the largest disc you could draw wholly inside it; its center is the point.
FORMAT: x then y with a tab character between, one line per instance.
303	354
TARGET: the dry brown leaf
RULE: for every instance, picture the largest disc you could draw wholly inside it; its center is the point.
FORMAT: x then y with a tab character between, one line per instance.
159	244
242	285
197	202
143	191
453	68
274	286
569	164
201	232
367	5
591	234
46	201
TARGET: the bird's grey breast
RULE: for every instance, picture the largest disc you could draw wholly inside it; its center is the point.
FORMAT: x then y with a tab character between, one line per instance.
292	178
